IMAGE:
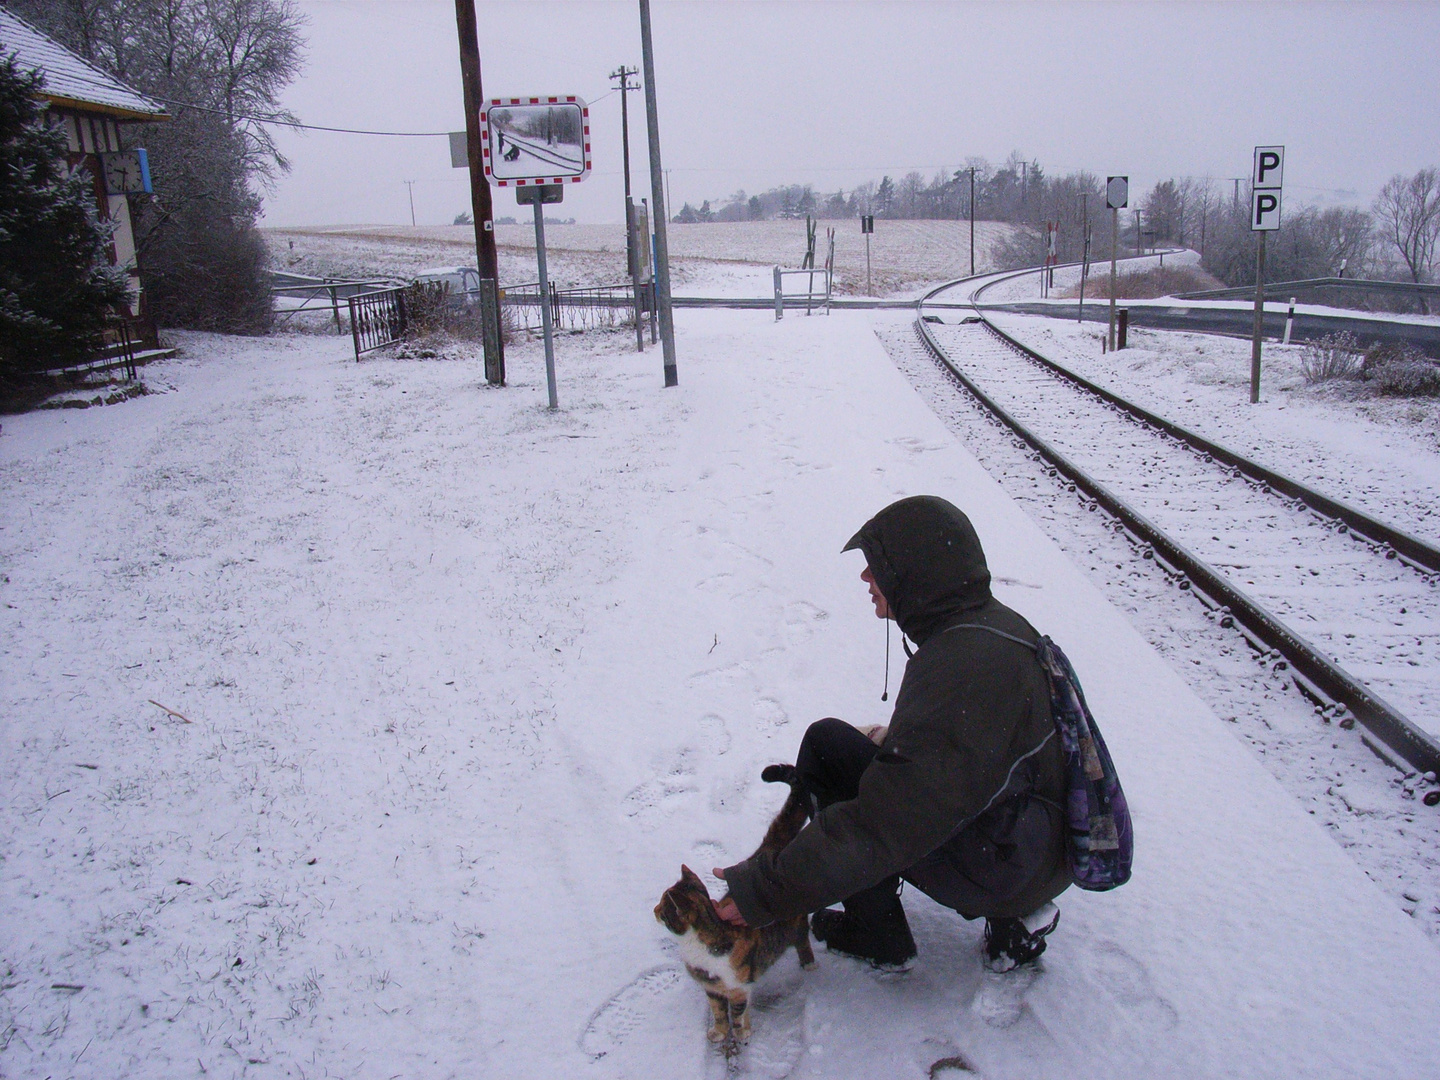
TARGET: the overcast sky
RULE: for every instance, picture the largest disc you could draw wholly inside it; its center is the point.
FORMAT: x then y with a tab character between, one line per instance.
757	94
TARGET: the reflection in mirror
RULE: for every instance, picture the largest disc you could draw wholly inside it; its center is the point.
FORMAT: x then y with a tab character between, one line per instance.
534	141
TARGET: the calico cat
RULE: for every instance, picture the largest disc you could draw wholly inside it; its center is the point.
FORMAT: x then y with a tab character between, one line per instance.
725	959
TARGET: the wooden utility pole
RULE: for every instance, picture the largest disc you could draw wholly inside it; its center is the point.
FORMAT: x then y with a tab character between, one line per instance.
632	257
480	195
972	220
410	186
662	207
1084	251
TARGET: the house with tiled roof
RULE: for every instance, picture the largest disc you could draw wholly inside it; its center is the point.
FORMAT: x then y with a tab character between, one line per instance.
90	106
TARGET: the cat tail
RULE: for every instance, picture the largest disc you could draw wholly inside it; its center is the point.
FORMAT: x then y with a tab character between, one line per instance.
780	774
798	808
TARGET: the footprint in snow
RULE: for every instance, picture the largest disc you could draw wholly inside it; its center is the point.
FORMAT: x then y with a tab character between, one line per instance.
771	712
1000	999
777	1041
1128	981
801	619
655	798
714	734
628	1009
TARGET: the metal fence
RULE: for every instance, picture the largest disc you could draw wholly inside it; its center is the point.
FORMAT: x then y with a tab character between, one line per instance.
598	307
813	294
294	294
377	319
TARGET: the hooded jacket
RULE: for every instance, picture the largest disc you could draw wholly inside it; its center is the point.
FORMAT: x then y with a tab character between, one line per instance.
964	798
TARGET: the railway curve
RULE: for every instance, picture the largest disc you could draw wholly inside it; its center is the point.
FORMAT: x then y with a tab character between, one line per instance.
1114	451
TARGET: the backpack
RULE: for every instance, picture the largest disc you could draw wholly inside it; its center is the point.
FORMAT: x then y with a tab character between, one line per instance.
1101	841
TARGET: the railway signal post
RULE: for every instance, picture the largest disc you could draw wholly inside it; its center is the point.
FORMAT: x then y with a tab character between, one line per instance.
972	220
867	226
1266	178
1117	196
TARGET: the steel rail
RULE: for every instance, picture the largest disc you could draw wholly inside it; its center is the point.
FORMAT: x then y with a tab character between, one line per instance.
1388	724
1415	550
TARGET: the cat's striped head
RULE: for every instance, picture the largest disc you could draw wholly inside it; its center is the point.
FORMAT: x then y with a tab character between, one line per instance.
684	904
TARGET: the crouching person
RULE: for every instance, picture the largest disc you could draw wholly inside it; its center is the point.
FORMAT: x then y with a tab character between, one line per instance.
961	796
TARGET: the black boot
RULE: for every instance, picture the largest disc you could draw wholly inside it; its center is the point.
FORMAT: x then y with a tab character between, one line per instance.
1010	942
872	927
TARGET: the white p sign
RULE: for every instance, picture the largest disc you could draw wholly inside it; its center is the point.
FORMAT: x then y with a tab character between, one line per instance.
1269	169
1265	181
1265	210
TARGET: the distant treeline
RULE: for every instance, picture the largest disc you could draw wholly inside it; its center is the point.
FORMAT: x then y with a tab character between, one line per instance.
1396	239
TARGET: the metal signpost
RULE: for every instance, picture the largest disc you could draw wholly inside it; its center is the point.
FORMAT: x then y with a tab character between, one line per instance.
1266	178
657	192
537	145
972	220
539	197
867	226
1117	196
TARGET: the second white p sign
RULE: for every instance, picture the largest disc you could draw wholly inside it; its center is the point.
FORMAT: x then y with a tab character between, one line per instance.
1265	210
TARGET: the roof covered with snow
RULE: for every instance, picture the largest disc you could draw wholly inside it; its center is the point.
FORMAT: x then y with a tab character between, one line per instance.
70	80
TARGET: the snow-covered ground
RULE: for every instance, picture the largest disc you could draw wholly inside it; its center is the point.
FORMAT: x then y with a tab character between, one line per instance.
450	685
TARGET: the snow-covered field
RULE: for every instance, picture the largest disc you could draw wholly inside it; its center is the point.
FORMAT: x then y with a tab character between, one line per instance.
449	685
904	254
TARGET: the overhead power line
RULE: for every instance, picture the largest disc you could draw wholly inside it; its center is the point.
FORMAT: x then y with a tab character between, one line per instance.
281	122
297	124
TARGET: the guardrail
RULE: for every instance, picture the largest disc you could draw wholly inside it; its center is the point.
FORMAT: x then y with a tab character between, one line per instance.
1283	289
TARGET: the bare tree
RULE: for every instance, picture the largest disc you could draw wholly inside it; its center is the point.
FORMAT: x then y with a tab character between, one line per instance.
1164	209
1408	210
218	65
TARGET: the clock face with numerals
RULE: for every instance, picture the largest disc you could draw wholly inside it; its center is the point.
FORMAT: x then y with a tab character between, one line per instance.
124	173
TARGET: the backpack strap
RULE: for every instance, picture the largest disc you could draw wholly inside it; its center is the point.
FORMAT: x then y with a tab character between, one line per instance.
1035	648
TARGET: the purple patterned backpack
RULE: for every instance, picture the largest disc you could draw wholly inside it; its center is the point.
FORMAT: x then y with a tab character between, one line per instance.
1102	843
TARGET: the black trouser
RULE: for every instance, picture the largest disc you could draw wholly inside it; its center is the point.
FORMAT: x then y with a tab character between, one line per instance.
965	874
833	756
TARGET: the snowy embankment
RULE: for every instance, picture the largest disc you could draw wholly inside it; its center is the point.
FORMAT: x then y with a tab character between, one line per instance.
461	683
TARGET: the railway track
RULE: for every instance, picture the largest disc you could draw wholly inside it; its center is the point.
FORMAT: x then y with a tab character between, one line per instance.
1349	604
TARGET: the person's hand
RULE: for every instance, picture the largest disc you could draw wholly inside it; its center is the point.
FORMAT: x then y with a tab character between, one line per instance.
875	733
725	907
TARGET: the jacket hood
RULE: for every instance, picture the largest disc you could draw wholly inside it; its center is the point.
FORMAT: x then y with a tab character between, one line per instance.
927	562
